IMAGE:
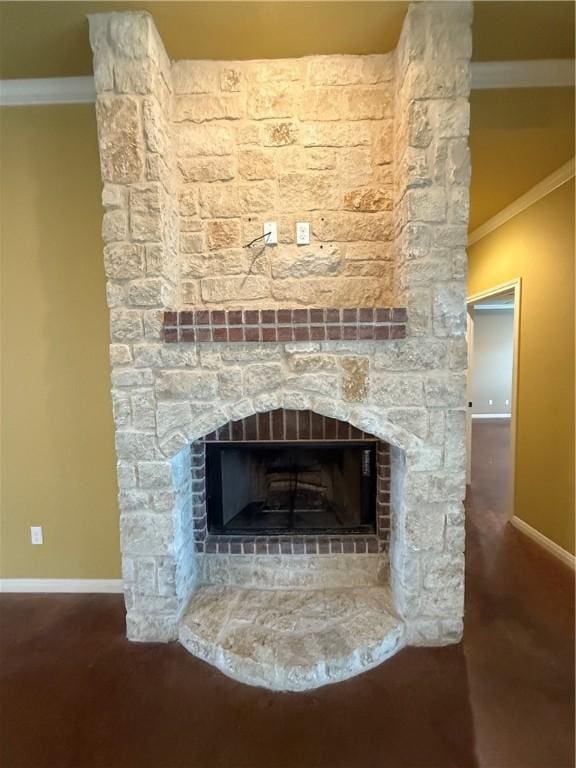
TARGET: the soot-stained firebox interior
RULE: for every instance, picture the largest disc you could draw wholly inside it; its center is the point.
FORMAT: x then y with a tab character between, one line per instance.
287	487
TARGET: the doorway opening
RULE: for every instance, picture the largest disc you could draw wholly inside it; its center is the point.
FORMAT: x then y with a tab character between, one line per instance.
493	334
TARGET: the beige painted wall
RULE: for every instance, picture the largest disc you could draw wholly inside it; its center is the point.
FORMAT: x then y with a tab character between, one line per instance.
538	246
57	437
491	363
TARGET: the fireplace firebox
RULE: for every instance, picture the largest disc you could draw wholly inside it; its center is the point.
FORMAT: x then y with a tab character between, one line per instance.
325	487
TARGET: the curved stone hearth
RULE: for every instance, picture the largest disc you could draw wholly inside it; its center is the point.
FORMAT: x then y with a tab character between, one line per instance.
291	640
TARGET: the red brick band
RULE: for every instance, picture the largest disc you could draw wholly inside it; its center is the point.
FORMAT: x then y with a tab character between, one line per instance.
281	325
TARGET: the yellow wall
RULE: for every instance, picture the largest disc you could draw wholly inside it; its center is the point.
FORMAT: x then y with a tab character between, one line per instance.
538	246
57	434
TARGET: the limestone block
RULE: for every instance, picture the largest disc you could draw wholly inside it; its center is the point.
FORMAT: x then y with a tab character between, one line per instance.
415	241
353	226
320	159
452	117
114	226
131	377
426	205
316	291
171	417
458	162
306	262
449	310
147	355
234	290
312	363
368	200
155	126
197	385
188	201
413	420
219	201
270	100
125	325
248	133
276	71
279	134
337	134
230	384
249	353
261	377
190	292
350	70
120	354
115	294
323	383
442	80
182	356
458	354
320	104
257	196
419	128
143	405
424	527
450	236
194	77
419	304
114	196
414	168
126	474
455	448
366	104
232	79
383	148
145	627
394	390
121	409
192	242
203	140
200	108
425	272
134	446
150	292
308	191
459	208
445	390
254	164
447	486
355	381
146	534
207	169
121	155
227	262
411	355
222	234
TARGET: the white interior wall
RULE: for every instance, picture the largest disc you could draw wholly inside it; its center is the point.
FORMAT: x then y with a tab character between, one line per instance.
492	361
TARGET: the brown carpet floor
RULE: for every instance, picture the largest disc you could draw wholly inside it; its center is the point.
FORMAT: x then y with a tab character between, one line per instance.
76	694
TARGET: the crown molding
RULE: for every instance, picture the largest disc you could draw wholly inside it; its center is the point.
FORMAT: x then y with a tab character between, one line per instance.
47	90
87	586
540	73
540	190
537	73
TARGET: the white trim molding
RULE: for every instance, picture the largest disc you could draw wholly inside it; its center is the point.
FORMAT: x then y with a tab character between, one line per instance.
535	73
491	415
47	90
90	586
555	549
539	73
538	191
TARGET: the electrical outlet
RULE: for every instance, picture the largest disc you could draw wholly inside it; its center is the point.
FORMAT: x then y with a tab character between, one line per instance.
490	402
302	233
36	536
270	229
507	402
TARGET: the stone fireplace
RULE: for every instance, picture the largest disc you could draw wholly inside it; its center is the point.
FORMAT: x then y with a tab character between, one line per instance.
289	418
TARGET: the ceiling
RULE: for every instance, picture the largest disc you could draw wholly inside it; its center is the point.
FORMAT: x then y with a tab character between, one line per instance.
517	137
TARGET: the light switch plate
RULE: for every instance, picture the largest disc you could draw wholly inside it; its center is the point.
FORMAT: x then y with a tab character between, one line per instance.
271	229
302	233
36	536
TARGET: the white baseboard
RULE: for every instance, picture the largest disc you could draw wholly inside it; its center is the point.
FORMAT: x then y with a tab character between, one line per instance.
94	586
491	415
551	546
